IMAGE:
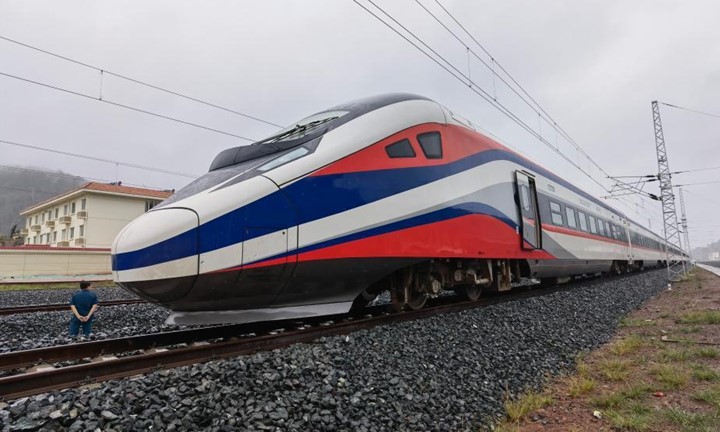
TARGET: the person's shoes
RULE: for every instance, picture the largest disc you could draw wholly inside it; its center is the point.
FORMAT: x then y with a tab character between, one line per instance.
81	338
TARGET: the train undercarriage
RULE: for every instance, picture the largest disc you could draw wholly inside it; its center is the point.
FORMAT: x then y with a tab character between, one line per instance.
412	286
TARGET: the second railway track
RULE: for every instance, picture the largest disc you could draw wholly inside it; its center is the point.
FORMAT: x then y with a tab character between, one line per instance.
60	306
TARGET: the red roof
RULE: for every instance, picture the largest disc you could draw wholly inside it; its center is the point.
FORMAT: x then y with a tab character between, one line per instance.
109	188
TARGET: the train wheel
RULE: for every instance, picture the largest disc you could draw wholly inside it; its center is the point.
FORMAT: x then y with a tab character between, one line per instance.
406	291
469	292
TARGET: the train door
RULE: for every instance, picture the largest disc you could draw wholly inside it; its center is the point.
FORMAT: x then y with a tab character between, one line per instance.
530	230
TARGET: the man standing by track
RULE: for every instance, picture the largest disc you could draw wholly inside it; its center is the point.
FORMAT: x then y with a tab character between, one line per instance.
83	305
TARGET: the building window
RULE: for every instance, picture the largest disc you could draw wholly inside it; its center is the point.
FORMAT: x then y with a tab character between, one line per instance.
34	239
571	221
83	202
65	210
400	149
556	214
72	233
63	235
54	236
82	230
431	145
72	207
149	204
57	212
36	219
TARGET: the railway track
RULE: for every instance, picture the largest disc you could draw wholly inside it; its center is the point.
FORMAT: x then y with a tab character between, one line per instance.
147	353
60	306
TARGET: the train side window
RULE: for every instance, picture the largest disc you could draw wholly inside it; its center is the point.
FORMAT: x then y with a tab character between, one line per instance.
431	145
583	221
556	214
571	221
400	149
593	227
525	197
601	227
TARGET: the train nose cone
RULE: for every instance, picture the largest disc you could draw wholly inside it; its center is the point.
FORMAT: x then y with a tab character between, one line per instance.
156	255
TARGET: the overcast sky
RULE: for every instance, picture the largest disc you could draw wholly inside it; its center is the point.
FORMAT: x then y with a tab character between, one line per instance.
594	66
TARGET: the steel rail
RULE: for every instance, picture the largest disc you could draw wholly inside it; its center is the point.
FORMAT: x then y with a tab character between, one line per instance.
26	384
60	306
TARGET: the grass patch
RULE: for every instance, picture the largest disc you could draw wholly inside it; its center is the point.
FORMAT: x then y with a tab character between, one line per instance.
525	404
614	370
635	417
704	373
580	386
675	355
690	329
628	345
707	352
700	317
710	396
690	421
671	377
621	398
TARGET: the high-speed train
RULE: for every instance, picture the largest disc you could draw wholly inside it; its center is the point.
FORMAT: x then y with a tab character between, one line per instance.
394	192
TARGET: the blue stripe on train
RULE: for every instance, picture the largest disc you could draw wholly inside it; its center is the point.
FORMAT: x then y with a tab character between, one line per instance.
314	197
424	219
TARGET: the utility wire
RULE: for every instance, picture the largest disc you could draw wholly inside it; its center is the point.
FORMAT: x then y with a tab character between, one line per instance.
460	76
535	106
698	183
99	159
548	118
691	110
28	190
136	81
74	177
125	106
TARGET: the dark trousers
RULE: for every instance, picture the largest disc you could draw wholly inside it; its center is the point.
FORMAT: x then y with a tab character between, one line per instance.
76	324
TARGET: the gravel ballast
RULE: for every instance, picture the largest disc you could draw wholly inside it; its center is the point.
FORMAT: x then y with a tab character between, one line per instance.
448	372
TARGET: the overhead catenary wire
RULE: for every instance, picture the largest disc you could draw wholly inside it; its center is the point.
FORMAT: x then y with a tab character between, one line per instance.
531	103
137	81
140	110
690	110
99	159
461	77
72	176
548	118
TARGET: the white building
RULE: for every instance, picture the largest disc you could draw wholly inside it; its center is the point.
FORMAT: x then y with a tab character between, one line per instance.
88	216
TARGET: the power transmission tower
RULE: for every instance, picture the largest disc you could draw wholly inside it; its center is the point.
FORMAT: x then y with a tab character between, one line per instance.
683	222
667	198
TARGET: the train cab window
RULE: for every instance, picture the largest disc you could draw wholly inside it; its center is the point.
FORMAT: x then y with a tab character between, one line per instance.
431	145
583	221
571	221
593	227
400	149
556	214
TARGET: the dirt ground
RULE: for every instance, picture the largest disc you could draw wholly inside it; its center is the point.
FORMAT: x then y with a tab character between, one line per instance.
661	372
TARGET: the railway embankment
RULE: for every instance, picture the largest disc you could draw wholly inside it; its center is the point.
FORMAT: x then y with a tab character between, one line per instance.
448	372
660	372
